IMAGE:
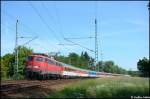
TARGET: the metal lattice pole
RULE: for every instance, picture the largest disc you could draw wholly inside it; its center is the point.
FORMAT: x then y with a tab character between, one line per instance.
16	52
96	44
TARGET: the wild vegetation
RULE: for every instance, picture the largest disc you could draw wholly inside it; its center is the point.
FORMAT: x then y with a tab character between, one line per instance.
112	87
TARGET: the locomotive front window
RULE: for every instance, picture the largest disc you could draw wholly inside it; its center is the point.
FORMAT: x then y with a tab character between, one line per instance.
29	58
39	59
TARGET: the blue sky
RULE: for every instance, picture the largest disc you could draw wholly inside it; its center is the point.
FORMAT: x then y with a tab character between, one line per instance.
122	28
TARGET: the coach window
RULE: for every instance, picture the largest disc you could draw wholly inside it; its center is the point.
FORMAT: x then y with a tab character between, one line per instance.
46	60
66	68
39	59
58	64
51	62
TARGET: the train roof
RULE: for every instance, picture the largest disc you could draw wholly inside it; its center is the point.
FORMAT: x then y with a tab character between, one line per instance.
42	54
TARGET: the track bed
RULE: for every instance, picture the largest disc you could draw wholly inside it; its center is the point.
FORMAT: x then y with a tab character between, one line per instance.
33	88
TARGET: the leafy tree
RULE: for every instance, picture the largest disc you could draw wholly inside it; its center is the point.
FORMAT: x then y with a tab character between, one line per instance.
108	66
86	56
8	66
73	58
109	63
4	69
100	66
91	62
82	61
85	60
62	59
144	67
23	53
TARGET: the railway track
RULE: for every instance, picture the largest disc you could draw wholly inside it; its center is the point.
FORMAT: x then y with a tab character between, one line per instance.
7	82
14	85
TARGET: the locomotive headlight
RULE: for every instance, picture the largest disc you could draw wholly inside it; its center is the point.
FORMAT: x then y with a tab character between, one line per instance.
29	66
35	66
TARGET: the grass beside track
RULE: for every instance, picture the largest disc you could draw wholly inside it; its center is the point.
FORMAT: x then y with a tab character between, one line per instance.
120	87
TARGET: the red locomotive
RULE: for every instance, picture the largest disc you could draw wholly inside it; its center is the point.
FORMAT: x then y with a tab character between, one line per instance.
41	66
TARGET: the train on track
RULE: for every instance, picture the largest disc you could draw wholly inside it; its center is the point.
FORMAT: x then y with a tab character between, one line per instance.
41	66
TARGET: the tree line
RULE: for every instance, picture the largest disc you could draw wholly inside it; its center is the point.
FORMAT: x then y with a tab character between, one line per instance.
8	66
86	62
